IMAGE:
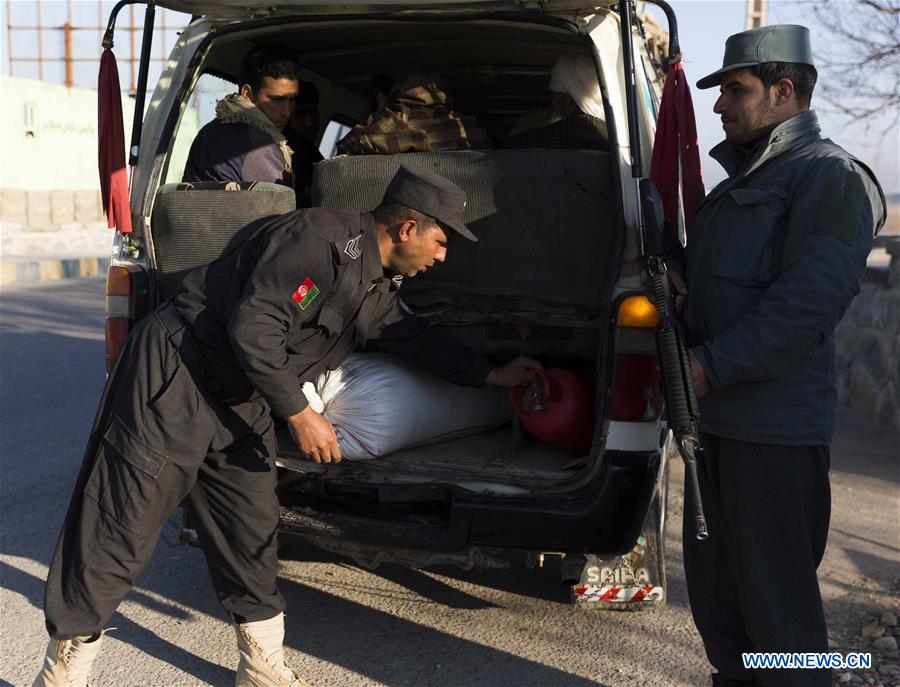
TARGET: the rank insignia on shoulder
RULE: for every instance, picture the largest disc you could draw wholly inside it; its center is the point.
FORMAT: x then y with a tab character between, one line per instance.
352	248
306	293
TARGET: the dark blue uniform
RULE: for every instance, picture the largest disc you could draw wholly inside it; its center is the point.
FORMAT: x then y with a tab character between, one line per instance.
774	259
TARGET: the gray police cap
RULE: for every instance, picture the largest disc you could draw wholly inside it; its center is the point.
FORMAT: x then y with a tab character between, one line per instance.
778	43
432	195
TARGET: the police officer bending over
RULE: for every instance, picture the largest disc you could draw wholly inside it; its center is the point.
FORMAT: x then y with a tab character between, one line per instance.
187	412
774	259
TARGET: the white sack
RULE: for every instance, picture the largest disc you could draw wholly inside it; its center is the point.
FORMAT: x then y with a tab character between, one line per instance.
379	404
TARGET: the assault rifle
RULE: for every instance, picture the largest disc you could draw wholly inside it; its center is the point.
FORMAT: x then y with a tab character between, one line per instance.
681	401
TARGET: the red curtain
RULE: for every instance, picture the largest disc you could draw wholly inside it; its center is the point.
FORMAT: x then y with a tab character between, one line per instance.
111	146
676	145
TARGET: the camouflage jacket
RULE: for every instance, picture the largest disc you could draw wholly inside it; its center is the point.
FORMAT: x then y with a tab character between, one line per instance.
419	118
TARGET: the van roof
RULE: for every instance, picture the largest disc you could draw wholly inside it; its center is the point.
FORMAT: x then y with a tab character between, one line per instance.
252	8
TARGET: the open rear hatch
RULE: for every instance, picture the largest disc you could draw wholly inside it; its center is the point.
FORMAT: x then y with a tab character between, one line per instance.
539	281
543	283
245	9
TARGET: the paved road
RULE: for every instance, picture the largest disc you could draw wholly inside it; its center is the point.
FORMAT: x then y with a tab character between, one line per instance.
348	626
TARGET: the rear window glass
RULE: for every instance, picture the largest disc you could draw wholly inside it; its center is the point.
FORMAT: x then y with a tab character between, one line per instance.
334	132
200	110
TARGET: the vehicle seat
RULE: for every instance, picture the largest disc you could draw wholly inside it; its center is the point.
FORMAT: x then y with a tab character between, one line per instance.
546	224
195	223
576	132
538	215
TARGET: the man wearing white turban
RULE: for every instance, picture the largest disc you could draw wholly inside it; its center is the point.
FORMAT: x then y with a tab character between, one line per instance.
575	94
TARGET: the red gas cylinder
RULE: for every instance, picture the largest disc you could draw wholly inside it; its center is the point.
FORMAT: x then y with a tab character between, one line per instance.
558	408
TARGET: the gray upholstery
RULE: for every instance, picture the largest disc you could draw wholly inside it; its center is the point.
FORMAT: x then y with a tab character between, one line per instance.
546	224
576	132
545	220
194	224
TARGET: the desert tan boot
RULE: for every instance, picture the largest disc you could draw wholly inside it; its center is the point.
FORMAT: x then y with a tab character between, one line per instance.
67	662
262	655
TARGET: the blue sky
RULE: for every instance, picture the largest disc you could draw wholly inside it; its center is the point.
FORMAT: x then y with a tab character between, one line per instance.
703	26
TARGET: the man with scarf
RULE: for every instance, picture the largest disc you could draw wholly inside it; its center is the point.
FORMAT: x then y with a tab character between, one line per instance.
245	142
419	118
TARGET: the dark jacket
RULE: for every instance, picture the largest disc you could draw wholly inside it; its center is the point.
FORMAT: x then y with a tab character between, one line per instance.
296	298
235	152
774	257
303	162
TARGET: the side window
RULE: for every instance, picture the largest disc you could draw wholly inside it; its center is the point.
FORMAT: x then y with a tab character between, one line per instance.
334	132
200	110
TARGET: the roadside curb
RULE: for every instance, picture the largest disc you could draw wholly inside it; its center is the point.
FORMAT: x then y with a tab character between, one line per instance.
29	271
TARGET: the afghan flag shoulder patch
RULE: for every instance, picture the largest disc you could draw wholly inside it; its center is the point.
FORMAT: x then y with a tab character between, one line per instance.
306	293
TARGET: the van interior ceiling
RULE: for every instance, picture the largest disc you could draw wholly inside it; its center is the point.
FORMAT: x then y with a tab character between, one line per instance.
496	70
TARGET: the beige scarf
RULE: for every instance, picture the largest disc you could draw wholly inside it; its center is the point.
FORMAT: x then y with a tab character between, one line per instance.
235	108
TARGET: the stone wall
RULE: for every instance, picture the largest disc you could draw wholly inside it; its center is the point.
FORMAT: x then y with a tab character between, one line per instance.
868	343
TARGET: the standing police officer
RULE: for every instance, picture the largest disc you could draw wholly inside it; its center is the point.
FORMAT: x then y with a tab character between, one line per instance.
774	259
187	412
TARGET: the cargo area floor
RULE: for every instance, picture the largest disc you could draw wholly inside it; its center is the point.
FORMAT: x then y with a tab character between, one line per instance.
498	454
498	448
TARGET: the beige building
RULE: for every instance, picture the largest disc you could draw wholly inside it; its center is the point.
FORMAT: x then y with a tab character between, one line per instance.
49	178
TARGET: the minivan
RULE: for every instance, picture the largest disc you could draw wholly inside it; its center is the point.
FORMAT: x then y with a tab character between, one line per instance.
557	274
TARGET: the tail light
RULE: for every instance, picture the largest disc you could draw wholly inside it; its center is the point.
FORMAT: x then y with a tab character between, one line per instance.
636	391
636	383
120	290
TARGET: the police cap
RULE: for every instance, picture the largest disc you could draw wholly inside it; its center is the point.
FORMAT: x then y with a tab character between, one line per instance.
432	195
778	43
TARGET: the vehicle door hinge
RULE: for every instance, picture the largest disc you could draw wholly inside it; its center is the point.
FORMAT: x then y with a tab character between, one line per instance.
130	246
533	5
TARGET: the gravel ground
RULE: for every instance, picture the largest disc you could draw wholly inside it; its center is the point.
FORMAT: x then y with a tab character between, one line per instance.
860	574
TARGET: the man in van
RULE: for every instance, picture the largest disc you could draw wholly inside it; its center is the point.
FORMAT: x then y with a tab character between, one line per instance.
774	259
574	118
187	411
418	118
246	142
301	133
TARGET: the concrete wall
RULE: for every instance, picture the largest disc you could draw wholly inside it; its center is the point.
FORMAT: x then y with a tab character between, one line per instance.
868	343
48	134
52	223
49	182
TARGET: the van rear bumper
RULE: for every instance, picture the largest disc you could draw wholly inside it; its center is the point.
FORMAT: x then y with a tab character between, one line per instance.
605	517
